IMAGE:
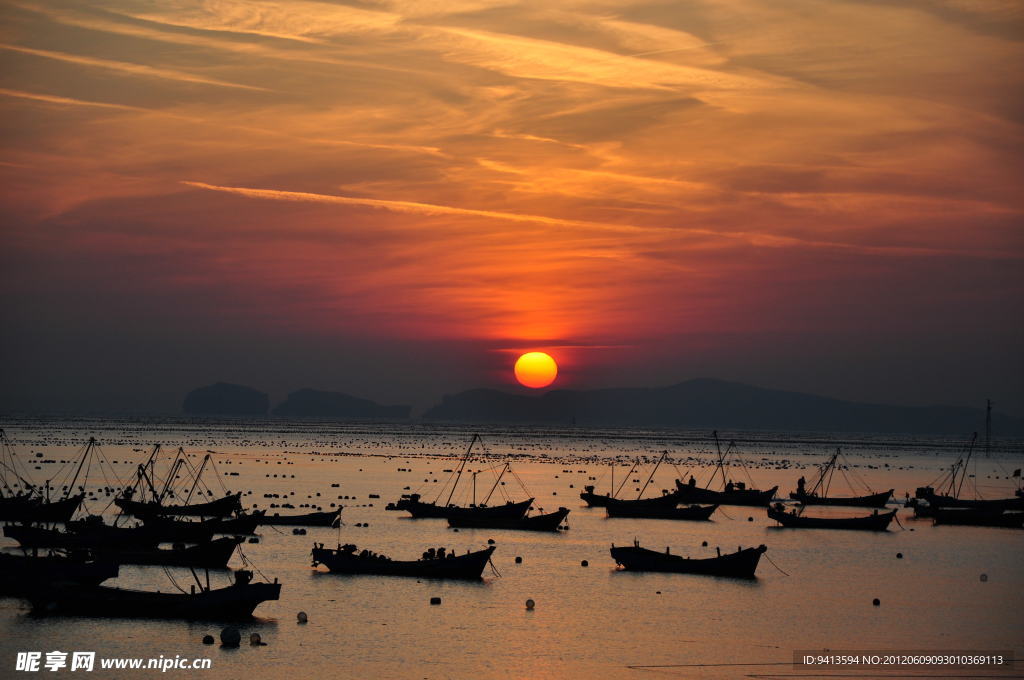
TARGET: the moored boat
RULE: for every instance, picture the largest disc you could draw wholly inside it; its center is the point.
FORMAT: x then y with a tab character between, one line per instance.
876	500
310	519
237	601
980	517
81	538
732	493
345	560
819	493
740	564
212	555
544	522
23	574
221	507
695	513
877	521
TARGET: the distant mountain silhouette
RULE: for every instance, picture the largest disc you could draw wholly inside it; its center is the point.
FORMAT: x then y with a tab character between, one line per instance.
708	403
225	399
307	403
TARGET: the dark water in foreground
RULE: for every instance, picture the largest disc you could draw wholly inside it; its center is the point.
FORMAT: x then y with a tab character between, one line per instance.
589	622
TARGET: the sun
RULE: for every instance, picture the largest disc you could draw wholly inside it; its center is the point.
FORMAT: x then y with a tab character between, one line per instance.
536	369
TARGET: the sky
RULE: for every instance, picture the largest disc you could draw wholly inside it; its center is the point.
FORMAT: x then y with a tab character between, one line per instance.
394	199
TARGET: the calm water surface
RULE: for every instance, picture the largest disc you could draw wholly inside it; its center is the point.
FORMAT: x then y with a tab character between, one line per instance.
589	622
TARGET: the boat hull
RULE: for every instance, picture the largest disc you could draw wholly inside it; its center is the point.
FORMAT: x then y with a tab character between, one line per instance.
420	510
95	537
311	519
979	517
23	574
547	522
222	507
692	513
876	522
212	555
741	564
875	500
466	567
224	604
939	501
30	509
750	497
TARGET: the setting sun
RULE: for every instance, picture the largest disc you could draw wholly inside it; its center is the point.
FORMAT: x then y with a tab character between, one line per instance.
536	369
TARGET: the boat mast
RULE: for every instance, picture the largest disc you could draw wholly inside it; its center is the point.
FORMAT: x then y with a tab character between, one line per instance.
81	462
199	474
644	488
963	475
462	466
824	470
988	427
496	482
721	463
628	474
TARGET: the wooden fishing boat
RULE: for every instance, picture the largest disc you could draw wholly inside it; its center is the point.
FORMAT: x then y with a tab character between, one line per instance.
24	573
212	555
419	509
981	517
544	522
819	493
729	496
221	507
875	500
84	538
594	500
695	513
310	519
740	564
878	521
25	508
233	602
952	484
345	560
944	501
731	493
174	530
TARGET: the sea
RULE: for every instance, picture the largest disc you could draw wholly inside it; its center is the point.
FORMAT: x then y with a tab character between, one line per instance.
941	591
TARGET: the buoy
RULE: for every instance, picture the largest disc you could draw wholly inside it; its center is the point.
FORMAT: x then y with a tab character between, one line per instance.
256	641
230	637
657	592
207	639
254	539
435	600
301	617
529	604
704	544
984	578
876	602
750	519
490	541
584	563
899	556
519	560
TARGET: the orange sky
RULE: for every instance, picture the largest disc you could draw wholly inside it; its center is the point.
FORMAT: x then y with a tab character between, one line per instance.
620	183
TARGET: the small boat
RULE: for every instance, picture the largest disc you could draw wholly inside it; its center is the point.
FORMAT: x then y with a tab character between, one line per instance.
740	564
419	509
544	522
189	531
819	493
952	484
345	560
222	507
310	519
24	573
695	513
212	555
155	505
594	500
233	602
94	537
731	494
981	517
878	521
25	508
